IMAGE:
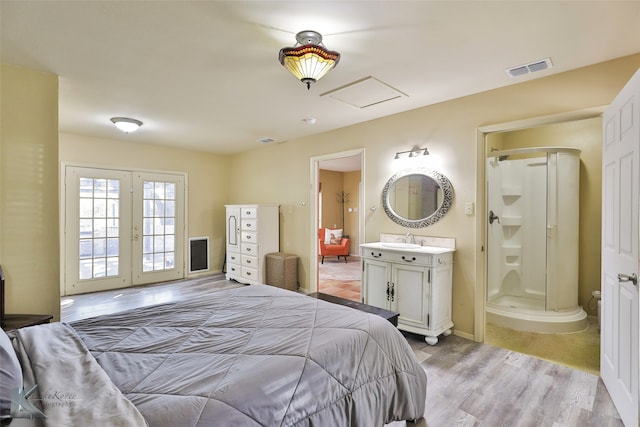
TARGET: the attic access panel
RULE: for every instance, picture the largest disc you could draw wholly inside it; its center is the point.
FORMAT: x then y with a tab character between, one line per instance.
365	93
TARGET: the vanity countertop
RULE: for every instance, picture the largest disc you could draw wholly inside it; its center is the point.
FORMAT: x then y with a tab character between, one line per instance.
406	247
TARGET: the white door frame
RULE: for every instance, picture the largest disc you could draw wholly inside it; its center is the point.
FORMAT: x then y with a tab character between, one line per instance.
313	207
481	194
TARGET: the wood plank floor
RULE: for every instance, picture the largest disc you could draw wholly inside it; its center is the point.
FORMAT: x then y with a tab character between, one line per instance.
75	307
469	384
475	384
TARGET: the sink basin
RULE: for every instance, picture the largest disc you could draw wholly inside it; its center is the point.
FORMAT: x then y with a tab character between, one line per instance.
401	245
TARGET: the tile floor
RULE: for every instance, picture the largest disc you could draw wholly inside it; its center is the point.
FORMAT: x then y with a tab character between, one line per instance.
341	279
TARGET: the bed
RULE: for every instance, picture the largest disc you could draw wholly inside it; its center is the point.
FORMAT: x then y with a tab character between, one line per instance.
248	356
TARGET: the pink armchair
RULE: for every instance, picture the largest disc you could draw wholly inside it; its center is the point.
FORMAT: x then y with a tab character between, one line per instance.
333	250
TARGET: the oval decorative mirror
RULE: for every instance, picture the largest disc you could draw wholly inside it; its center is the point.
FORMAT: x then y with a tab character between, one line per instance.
416	198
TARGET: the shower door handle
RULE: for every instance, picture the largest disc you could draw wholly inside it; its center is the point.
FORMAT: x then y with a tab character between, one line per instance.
626	278
493	217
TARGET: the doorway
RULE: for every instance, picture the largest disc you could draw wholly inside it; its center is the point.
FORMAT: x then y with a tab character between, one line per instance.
336	206
578	131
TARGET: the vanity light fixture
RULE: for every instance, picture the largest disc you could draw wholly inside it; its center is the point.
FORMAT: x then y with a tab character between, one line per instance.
126	124
308	60
414	152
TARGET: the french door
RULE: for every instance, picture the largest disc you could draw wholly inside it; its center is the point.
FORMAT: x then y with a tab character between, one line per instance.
122	228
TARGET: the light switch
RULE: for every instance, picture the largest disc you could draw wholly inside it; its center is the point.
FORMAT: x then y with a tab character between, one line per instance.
468	208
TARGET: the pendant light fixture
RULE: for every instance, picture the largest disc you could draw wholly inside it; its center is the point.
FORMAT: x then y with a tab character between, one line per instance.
126	124
308	60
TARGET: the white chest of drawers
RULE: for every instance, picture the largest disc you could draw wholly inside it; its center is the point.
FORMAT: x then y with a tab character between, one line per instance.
252	232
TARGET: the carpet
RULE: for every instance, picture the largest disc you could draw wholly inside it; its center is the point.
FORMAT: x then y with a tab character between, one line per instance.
580	350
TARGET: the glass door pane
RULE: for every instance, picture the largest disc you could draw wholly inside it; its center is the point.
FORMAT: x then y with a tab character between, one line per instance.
97	230
158	219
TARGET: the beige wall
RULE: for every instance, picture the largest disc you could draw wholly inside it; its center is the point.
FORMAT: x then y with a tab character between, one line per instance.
207	179
29	230
449	130
333	183
352	187
585	135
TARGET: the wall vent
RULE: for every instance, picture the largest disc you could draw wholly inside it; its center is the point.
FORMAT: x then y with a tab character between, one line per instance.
198	254
532	67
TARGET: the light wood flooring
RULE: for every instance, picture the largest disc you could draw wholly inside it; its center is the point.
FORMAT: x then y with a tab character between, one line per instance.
474	384
578	350
75	307
469	384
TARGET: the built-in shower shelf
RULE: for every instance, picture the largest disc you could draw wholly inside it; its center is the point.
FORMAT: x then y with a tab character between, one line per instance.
511	221
511	191
511	251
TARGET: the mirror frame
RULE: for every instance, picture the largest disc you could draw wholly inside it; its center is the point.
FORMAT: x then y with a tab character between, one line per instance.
447	198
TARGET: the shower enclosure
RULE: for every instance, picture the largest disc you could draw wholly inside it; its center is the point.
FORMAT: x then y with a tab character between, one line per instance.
532	240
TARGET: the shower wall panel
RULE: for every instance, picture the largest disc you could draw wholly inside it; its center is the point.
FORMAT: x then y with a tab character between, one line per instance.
533	243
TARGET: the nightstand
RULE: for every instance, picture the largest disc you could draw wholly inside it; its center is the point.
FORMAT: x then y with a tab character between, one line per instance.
17	321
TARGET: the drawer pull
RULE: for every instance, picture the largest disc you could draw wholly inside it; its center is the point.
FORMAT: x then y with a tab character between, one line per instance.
248	273
376	256
408	260
248	261
248	237
248	225
248	249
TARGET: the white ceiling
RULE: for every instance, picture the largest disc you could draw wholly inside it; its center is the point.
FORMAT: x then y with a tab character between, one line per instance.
205	74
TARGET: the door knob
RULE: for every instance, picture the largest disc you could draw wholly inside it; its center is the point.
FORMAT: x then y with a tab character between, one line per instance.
628	278
493	217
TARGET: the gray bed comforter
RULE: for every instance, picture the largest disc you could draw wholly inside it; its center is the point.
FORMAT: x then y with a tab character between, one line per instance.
258	356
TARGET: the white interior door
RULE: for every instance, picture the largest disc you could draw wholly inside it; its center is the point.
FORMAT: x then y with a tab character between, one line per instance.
121	229
620	163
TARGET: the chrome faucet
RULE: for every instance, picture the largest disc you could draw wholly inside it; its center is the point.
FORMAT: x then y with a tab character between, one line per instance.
410	238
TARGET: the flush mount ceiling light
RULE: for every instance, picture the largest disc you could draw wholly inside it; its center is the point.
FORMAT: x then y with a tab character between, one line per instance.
126	124
309	60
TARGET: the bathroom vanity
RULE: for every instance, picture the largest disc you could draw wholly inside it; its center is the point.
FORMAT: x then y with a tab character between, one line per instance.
413	280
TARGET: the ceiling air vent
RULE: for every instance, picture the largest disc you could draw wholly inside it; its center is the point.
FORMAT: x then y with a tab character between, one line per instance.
266	140
532	67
